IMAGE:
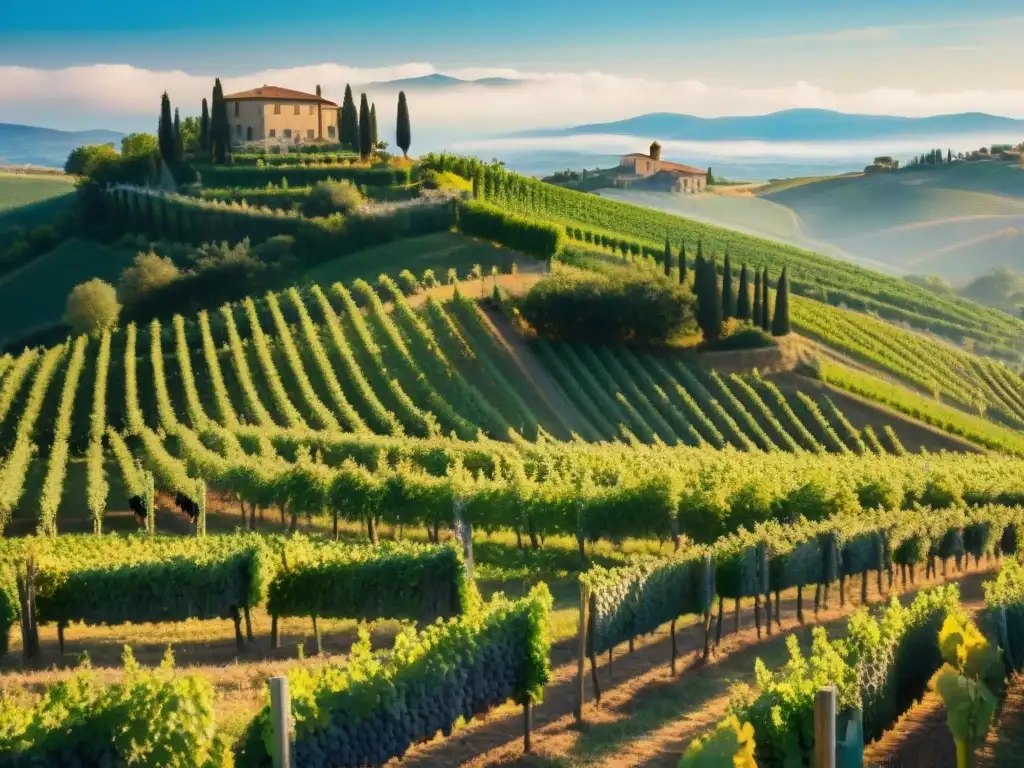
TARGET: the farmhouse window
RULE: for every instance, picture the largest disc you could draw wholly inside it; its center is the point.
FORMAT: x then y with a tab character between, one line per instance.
309	133
297	108
273	133
248	133
330	131
238	129
277	109
236	108
287	133
312	109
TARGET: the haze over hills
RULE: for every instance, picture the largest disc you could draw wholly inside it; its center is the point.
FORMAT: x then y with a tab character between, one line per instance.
792	125
435	82
32	145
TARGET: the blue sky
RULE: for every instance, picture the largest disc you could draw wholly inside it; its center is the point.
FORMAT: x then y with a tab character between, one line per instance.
103	63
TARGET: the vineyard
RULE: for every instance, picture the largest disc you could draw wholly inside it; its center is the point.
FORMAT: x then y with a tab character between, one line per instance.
372	466
813	276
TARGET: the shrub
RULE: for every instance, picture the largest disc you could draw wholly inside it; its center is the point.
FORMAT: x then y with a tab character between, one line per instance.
736	335
83	160
43	238
92	307
148	272
429	280
731	745
329	197
603	308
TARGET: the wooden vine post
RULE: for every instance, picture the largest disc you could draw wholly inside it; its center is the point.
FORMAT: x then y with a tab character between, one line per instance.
280	717
26	582
591	626
527	726
463	533
581	652
201	516
150	504
825	728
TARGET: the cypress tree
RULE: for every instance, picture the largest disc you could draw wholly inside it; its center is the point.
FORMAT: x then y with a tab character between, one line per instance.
709	307
766	302
365	135
165	132
373	127
668	259
348	121
756	314
403	131
682	263
204	129
949	155
780	321
220	130
743	297
177	134
728	298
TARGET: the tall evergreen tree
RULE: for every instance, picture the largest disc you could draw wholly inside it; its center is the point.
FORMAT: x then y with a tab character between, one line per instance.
709	306
755	315
728	298
365	128
220	130
668	258
319	113
743	296
348	121
403	130
780	320
373	127
682	263
204	129
165	133
949	155
766	302
178	142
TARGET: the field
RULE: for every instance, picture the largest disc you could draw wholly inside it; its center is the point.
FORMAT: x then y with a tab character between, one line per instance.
49	279
27	200
303	482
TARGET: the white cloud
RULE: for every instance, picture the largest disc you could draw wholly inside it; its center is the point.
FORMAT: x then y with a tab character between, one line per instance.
122	96
858	35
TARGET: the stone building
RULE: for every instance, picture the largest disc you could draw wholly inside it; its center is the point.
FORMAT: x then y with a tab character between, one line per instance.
687	178
281	115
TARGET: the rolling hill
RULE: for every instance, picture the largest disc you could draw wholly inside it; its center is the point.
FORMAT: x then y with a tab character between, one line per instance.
32	145
793	125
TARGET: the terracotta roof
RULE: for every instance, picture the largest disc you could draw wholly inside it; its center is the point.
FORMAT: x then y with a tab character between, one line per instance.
274	92
665	165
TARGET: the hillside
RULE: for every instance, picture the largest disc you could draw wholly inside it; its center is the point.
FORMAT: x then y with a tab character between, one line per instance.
32	145
793	125
332	434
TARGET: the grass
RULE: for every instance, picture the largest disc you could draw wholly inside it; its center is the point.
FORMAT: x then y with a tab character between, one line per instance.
27	200
49	279
440	252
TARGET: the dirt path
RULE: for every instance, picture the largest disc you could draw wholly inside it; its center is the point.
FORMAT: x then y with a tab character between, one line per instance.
1005	743
560	406
646	717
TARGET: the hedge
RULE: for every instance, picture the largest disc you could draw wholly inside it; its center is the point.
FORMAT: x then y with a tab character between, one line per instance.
395	580
1004	597
302	175
289	198
185	219
375	706
538	239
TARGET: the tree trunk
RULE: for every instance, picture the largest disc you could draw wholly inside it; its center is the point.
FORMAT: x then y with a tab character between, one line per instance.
534	544
371	529
334	524
718	630
800	604
736	617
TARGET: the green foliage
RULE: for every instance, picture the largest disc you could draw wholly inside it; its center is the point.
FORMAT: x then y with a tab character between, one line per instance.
392	581
149	272
538	239
92	307
731	745
83	161
1004	596
780	320
296	175
736	336
403	130
376	705
607	308
329	197
150	718
138	144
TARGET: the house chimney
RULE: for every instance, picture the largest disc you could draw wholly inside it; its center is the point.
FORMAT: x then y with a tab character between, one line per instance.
655	151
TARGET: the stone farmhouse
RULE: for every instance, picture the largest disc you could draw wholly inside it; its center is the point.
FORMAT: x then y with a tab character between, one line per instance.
687	179
281	115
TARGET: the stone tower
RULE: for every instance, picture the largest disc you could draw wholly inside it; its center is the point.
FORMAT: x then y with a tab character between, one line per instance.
655	151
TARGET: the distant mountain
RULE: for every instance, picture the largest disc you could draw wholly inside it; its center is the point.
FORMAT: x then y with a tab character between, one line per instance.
792	125
31	145
436	82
